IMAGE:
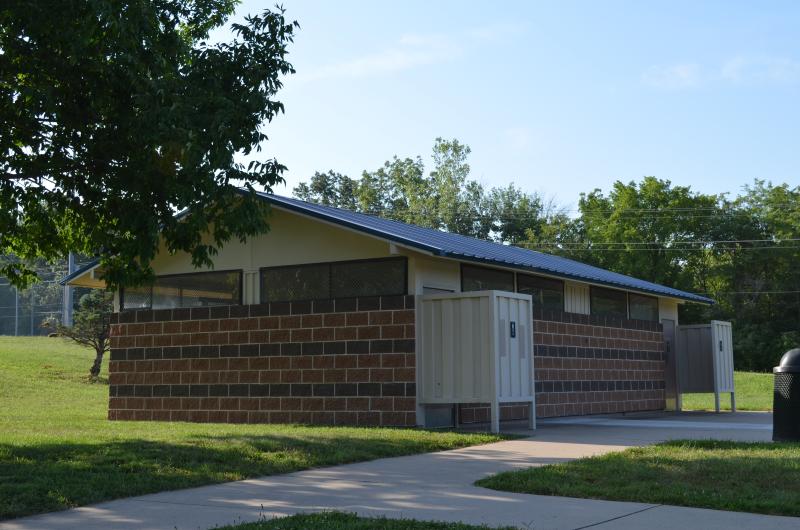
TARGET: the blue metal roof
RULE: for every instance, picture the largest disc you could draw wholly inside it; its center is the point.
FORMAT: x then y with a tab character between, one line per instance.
465	248
477	250
87	267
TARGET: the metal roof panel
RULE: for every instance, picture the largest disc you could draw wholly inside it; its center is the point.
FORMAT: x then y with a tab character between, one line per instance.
466	249
477	250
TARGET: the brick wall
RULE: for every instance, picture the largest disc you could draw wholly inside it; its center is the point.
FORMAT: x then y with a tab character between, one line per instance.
590	365
346	361
351	361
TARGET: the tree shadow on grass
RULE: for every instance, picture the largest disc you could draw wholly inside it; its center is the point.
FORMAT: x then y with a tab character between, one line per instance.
55	476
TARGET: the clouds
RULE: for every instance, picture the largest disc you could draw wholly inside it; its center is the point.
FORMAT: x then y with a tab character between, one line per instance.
737	70
410	51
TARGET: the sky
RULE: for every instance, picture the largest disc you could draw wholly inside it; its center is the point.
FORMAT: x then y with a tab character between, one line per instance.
557	97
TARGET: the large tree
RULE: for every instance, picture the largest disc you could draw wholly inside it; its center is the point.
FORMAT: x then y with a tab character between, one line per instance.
755	277
517	216
446	199
329	189
115	115
742	252
649	229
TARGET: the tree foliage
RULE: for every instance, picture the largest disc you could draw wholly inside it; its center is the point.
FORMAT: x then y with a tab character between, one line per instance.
742	252
647	229
330	189
446	199
755	274
116	115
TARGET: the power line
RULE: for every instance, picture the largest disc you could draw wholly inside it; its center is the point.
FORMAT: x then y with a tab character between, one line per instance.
663	249
680	242
693	209
397	215
719	293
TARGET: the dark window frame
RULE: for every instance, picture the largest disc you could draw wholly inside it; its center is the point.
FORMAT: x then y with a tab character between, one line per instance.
562	282
591	304
515	277
261	270
658	306
294	266
493	269
240	272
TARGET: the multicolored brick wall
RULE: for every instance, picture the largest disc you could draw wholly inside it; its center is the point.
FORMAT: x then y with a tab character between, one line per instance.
590	365
352	361
595	365
343	362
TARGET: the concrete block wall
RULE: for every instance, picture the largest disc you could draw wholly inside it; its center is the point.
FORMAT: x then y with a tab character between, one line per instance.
352	361
594	365
589	365
343	362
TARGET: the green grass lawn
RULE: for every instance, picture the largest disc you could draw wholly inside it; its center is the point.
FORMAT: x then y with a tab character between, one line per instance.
753	392
57	449
749	477
347	521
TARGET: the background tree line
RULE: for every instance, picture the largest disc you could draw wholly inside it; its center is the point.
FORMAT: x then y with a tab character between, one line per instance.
743	251
445	199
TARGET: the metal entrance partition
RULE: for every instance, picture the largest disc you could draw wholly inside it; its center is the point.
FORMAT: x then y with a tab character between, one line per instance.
705	361
475	347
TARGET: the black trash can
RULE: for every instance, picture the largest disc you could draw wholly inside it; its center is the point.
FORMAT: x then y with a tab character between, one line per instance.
786	398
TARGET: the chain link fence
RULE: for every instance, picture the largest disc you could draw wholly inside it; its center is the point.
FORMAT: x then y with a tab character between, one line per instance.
22	312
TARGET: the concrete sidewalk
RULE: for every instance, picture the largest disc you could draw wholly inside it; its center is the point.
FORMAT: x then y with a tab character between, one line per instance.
439	486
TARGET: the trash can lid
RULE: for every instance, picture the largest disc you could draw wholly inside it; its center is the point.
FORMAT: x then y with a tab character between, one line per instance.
790	362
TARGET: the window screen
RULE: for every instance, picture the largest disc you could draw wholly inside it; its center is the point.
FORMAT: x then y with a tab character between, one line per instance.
546	293
302	282
368	278
609	302
200	289
643	307
341	279
483	279
137	297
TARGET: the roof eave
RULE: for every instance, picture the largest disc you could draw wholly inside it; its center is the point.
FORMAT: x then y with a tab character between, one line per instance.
475	259
80	272
689	297
436	251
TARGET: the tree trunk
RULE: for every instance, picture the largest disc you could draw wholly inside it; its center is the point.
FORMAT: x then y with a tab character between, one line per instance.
98	361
